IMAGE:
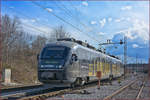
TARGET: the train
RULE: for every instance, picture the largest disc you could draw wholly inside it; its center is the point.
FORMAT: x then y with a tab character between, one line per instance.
75	62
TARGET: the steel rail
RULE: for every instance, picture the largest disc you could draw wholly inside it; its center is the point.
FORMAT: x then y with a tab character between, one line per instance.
3	90
63	91
140	91
119	90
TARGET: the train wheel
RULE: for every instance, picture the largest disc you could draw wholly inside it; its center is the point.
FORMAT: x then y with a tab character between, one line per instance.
80	81
83	82
72	85
87	79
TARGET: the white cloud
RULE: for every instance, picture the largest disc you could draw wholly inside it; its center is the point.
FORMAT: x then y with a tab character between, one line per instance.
126	8
49	9
118	20
102	33
109	19
139	31
33	20
30	27
128	19
38	19
28	20
102	22
135	45
93	22
11	7
84	3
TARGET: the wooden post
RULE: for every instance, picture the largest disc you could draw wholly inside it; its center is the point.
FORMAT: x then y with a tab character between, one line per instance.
98	75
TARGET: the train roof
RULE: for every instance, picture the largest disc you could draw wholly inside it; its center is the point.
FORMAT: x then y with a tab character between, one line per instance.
73	43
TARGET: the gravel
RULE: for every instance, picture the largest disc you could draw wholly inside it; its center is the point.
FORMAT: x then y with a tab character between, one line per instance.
94	93
146	91
131	92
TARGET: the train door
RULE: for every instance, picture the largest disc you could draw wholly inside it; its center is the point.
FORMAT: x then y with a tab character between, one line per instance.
113	69
98	64
111	72
101	66
90	65
118	69
108	67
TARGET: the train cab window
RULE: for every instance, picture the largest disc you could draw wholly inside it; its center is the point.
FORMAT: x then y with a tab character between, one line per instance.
54	52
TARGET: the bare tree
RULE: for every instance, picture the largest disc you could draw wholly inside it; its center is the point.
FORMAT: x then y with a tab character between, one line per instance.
38	44
17	50
59	32
10	32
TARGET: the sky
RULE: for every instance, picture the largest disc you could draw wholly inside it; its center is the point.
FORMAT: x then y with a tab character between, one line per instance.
93	21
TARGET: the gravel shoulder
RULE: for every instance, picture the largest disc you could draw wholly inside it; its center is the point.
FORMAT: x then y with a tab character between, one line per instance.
145	95
94	93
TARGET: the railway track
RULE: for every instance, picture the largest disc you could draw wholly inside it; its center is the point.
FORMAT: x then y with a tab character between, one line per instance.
20	91
4	90
125	91
140	91
52	92
49	92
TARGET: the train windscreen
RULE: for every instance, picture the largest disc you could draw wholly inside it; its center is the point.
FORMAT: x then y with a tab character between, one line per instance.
54	55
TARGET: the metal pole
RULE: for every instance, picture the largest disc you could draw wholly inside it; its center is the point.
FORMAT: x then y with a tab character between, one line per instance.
125	54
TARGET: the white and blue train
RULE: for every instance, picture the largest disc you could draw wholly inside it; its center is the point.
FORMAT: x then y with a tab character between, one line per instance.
74	62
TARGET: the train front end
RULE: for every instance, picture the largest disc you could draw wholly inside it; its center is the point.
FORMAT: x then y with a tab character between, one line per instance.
51	64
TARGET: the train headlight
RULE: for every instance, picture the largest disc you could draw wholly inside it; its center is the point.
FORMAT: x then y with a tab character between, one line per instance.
42	66
60	66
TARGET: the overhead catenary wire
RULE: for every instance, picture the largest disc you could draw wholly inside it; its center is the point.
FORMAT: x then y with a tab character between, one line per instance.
27	16
60	18
70	14
29	26
56	16
87	28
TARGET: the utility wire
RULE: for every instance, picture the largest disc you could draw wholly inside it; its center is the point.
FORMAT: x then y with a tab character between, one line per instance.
56	16
27	16
27	25
77	19
62	19
85	26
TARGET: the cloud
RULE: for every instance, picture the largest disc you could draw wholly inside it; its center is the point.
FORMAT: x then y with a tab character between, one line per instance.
38	19
109	19
102	22
137	39
28	20
49	9
93	22
102	33
138	32
31	27
33	20
84	3
126	8
135	45
11	7
120	19
128	19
